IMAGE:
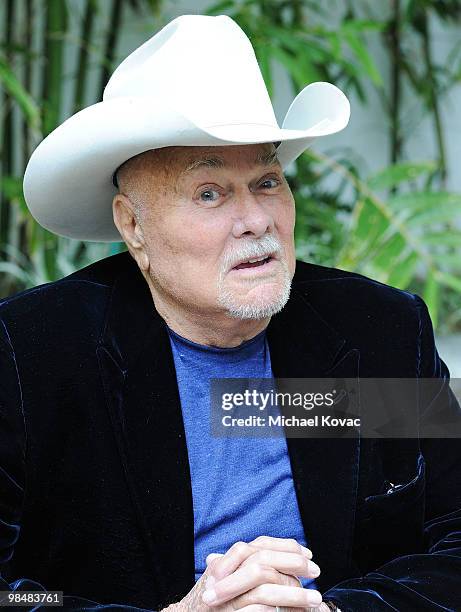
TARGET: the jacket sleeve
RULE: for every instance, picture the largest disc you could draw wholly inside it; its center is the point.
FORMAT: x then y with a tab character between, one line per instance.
12	484
431	580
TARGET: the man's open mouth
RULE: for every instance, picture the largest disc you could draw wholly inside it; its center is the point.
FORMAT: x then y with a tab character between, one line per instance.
253	263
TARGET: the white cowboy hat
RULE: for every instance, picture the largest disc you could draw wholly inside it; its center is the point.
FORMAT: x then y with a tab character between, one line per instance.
196	82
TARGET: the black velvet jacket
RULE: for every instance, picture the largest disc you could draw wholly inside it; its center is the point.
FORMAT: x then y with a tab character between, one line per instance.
95	487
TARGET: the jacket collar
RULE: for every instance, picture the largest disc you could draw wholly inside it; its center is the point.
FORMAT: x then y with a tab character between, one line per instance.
138	374
325	470
132	323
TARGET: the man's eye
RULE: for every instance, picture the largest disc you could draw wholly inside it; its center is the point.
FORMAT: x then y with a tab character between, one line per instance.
209	195
269	183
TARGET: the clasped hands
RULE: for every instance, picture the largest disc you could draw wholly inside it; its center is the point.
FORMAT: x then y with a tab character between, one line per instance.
254	577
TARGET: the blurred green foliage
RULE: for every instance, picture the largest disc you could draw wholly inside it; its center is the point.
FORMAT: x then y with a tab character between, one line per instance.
400	226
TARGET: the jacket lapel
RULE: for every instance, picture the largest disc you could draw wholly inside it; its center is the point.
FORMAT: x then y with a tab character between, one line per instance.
139	380
325	470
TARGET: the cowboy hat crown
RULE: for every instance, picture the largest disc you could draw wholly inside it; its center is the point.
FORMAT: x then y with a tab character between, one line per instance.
195	83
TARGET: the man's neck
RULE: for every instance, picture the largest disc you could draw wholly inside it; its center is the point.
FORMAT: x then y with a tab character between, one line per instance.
229	333
212	329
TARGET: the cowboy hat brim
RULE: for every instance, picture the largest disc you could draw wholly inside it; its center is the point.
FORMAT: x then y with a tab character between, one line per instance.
68	180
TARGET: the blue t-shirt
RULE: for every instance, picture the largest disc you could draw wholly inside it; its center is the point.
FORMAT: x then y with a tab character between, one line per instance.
241	487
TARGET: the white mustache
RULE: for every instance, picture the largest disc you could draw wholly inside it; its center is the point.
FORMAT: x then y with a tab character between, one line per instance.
251	249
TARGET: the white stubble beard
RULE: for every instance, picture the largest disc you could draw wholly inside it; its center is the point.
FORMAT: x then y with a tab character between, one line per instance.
261	308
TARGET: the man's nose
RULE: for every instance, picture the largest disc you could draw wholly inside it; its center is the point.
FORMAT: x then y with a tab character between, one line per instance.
251	216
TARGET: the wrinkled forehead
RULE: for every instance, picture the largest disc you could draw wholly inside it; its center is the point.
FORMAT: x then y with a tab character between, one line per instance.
184	161
196	158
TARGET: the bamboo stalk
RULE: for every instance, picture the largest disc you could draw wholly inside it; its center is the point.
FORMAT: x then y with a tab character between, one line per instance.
87	27
298	15
433	100
7	141
394	31
27	76
111	43
26	133
55	28
55	24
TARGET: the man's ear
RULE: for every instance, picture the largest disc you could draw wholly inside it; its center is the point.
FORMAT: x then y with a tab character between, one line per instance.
130	229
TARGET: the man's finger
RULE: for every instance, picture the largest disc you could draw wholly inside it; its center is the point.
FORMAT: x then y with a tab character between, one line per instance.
240	551
212	556
263	566
267	593
286	562
284	544
245	578
240	581
230	561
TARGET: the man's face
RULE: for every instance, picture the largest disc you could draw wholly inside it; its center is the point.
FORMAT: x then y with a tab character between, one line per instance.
219	208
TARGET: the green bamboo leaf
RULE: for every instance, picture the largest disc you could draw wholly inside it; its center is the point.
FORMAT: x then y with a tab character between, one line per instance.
335	46
371	224
363	57
65	264
368	227
448	212
425	201
155	6
449	280
302	72
399	173
447	238
15	48
219	7
284	37
14	270
402	273
303	45
451	260
361	25
389	252
263	54
11	187
24	100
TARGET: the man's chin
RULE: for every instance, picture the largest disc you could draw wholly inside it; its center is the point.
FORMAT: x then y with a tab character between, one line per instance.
254	306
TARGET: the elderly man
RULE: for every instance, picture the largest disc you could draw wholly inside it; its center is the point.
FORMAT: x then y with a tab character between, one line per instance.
113	490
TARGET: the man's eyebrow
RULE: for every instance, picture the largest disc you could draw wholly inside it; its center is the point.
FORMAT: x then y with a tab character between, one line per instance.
208	162
267	158
263	159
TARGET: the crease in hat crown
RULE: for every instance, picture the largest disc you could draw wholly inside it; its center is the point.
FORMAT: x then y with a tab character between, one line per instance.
194	83
205	66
